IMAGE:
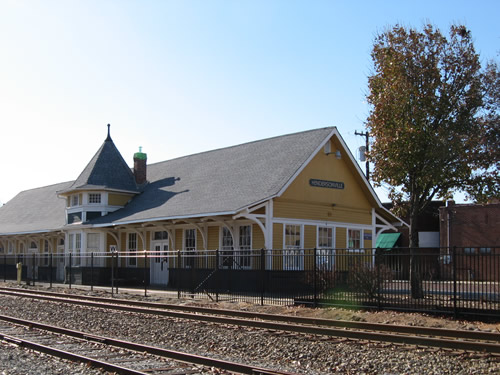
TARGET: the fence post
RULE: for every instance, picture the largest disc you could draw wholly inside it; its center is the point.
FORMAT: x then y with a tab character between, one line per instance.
50	270
315	270
145	265
263	275
179	277
378	276
454	260
112	274
33	268
92	271
217	275
70	265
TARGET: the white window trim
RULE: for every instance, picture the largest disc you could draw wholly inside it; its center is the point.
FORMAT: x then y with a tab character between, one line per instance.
330	263
129	258
184	249
221	247
361	240
238	249
95	194
299	250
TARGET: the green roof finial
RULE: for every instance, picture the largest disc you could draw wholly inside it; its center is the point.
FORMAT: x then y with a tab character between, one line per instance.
140	155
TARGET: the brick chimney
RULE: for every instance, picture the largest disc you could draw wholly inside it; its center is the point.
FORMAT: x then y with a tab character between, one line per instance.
140	159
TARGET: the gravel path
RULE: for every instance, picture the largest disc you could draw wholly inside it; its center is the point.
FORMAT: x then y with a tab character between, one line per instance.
292	352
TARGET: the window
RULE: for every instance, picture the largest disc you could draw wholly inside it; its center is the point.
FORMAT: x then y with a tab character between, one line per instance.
1	249
485	250
325	254
75	200
245	246
94	198
74	247
354	239
189	247
226	254
10	247
93	242
160	248
45	257
158	236
132	248
78	247
293	258
33	245
469	250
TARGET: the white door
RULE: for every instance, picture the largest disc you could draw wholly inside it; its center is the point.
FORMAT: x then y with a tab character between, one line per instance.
159	264
58	261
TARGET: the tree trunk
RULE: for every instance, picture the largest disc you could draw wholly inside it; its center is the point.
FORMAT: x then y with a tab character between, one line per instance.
416	287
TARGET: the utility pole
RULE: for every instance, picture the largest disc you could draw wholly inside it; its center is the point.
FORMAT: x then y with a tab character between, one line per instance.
367	145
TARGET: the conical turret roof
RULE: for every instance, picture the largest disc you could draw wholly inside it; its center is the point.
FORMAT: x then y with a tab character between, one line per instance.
106	171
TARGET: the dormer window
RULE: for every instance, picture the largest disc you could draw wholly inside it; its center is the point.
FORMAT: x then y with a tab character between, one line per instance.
94	198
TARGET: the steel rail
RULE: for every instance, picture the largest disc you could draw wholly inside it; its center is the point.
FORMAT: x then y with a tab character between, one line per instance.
493	346
171	354
68	355
157	309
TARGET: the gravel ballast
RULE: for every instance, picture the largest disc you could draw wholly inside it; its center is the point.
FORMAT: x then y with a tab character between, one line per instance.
264	348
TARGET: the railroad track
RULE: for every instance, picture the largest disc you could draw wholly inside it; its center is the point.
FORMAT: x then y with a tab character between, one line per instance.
119	356
477	341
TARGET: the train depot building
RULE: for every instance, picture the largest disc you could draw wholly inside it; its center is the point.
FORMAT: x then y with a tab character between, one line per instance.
266	203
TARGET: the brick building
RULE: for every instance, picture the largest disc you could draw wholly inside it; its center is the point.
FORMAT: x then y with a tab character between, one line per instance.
473	232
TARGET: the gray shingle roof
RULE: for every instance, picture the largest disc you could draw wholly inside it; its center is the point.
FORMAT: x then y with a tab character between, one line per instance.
220	181
35	210
106	170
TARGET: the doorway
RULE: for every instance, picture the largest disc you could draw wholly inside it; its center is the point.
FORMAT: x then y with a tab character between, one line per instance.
159	264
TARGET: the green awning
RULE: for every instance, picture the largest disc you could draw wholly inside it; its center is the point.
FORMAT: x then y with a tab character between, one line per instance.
387	240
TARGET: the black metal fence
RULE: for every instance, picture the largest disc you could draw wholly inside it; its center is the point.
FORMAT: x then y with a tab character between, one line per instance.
457	281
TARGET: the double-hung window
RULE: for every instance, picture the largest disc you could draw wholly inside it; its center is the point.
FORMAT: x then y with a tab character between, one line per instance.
354	245
75	200
245	246
226	251
45	257
74	247
132	249
293	254
93	242
325	254
189	247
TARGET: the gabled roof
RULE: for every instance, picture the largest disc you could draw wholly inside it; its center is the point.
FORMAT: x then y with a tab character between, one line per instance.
106	171
36	210
217	182
221	181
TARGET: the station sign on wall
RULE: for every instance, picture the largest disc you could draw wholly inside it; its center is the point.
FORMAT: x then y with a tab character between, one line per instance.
326	184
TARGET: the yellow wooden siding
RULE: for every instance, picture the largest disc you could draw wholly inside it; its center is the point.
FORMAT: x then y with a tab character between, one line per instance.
352	204
178	239
213	237
118	199
309	245
286	208
340	238
368	243
277	236
258	237
277	244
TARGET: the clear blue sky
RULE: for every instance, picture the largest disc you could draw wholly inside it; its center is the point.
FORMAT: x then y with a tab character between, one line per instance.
179	77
